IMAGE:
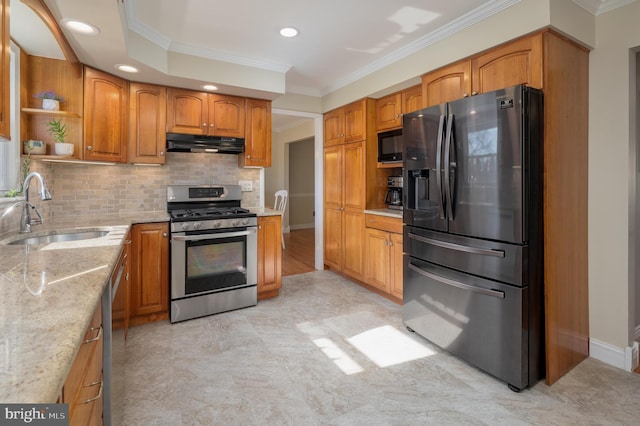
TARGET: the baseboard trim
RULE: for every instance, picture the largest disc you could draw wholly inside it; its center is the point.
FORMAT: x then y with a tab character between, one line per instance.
625	359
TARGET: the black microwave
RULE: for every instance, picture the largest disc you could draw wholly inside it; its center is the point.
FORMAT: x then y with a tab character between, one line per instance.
390	146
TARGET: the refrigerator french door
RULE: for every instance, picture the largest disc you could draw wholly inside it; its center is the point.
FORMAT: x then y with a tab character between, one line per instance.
473	234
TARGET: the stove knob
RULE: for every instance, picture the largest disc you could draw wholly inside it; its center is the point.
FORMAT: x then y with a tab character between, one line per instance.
217	224
185	226
197	225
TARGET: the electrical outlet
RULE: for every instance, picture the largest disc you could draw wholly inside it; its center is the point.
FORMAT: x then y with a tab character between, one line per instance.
246	185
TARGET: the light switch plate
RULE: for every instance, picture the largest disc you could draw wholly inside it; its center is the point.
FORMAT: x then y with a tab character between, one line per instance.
246	185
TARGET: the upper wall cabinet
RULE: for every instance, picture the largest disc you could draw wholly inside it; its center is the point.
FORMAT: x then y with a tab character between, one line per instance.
517	62
346	124
257	150
391	108
105	116
5	59
198	113
147	123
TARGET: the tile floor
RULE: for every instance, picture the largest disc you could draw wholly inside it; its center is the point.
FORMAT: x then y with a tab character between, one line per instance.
328	352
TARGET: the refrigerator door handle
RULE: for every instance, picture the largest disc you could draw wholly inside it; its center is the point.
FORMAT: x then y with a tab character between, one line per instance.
457	247
439	166
485	291
447	165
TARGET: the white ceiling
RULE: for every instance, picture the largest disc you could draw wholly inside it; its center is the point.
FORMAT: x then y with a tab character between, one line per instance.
236	45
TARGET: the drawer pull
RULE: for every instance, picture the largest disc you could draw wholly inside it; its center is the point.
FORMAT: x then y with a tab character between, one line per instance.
100	382
97	336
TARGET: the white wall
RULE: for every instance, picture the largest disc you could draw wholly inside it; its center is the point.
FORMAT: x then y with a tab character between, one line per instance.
611	175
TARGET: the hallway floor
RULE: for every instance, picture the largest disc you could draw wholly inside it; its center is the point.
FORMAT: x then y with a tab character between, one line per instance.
329	352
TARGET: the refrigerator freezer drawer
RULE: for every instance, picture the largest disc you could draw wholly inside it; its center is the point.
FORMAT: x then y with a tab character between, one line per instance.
497	261
480	321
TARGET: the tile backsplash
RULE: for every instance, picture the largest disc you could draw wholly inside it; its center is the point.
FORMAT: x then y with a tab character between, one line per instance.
125	188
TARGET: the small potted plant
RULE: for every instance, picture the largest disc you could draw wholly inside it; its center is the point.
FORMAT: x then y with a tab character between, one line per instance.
58	131
50	101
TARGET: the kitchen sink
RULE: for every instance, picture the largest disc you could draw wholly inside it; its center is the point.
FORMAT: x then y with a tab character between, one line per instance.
56	236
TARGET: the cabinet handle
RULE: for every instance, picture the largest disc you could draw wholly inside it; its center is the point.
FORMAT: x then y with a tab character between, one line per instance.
127	241
97	336
474	93
89	148
204	124
465	95
126	277
161	153
248	156
164	234
99	391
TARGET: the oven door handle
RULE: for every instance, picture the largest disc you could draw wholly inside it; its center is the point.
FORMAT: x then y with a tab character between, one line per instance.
212	236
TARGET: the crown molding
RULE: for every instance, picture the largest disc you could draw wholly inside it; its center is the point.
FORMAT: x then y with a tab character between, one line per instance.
598	7
471	18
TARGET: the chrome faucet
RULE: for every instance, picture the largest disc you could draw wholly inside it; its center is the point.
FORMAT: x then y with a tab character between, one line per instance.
26	220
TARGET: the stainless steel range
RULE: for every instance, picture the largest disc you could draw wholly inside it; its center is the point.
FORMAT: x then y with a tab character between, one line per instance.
213	251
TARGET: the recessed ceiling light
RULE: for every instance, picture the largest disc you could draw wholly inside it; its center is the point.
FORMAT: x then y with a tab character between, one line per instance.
288	32
80	27
127	68
210	87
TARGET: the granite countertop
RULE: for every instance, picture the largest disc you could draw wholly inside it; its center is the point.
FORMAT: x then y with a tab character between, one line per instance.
385	212
265	211
48	294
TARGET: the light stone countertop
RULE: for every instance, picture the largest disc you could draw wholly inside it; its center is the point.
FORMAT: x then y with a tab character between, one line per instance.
48	294
265	211
385	212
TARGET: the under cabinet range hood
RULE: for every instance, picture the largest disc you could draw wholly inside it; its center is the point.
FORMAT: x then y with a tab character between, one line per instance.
177	142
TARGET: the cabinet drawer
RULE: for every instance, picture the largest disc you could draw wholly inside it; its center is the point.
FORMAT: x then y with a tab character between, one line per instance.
91	340
384	223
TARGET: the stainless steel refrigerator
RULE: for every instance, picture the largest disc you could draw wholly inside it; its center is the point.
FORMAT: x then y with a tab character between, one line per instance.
473	231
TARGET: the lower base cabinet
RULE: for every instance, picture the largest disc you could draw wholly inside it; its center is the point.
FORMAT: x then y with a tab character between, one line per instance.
269	256
383	254
82	389
149	272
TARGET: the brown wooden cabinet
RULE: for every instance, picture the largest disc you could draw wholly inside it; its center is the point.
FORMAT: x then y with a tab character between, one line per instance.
390	108
348	123
345	199
257	150
199	113
105	117
83	386
383	254
149	272
147	123
5	60
447	84
515	62
269	256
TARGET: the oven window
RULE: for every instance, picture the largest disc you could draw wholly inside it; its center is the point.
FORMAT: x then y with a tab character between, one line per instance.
215	264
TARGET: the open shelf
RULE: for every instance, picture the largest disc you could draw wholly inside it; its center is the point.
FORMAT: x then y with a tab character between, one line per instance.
38	111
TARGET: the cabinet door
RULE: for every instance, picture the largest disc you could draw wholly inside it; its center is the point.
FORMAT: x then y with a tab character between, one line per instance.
354	176
355	121
333	177
412	99
518	62
333	238
269	255
147	123
187	112
389	112
5	59
150	269
353	242
447	84
377	265
395	273
105	117
257	148
226	116
333	127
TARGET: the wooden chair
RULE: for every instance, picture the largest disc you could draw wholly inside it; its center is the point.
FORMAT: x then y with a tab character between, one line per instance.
280	204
